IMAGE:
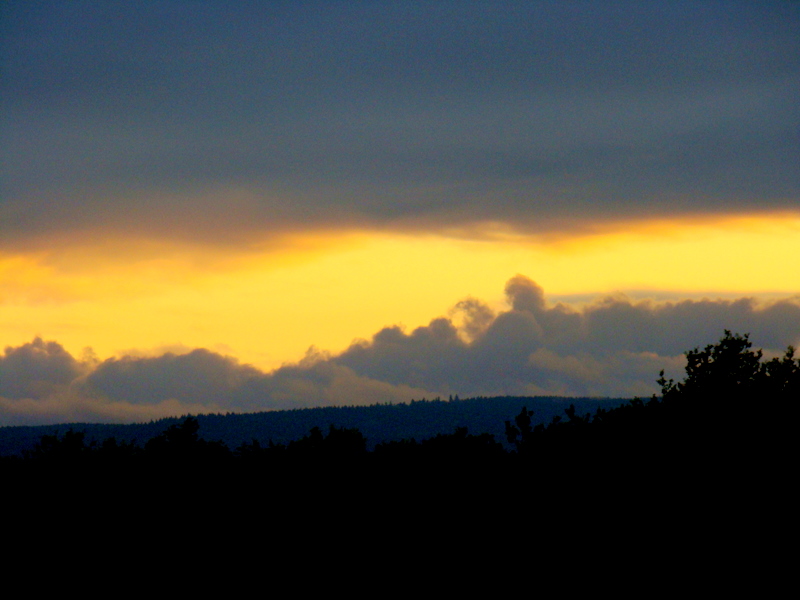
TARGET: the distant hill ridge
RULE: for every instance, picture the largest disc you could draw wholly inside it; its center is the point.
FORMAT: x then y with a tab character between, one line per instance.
420	419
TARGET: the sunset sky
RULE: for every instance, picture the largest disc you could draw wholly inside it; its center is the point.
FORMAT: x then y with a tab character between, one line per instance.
214	206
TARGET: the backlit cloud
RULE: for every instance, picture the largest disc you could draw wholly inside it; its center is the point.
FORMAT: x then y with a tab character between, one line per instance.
613	347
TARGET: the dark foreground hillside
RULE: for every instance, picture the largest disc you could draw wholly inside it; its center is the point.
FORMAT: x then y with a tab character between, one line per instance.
720	438
667	486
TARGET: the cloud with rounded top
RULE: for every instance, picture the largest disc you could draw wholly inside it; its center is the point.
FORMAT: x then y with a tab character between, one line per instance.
613	347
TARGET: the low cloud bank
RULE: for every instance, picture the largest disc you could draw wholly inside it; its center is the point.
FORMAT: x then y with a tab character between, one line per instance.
612	347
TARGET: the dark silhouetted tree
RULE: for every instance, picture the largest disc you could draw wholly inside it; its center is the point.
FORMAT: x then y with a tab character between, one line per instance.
728	369
181	444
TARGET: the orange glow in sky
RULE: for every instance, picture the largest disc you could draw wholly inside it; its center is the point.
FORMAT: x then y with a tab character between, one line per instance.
266	307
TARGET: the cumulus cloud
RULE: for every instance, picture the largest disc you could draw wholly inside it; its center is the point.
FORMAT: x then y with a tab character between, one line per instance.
37	369
199	376
613	347
42	383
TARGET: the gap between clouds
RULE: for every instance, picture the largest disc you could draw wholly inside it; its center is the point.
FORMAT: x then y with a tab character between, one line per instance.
612	347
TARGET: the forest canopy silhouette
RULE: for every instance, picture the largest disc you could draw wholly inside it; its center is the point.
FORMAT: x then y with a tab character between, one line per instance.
715	415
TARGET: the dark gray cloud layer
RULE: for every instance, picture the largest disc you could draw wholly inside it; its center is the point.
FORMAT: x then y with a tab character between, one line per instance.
144	116
613	347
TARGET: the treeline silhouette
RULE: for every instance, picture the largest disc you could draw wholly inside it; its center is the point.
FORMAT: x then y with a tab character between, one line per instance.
701	429
418	419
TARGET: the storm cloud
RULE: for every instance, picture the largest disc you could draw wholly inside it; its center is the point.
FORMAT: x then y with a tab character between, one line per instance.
228	122
613	347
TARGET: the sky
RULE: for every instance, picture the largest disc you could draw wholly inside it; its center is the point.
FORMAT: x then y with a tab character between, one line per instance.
211	207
